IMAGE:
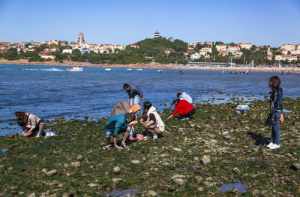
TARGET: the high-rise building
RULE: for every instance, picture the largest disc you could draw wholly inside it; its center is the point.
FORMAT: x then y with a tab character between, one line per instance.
80	39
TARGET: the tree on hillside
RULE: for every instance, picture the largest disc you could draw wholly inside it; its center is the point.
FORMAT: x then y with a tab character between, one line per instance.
11	54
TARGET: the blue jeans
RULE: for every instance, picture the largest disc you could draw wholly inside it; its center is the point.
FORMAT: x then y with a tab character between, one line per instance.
276	128
135	100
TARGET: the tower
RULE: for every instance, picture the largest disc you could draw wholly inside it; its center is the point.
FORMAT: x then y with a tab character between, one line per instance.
80	39
156	35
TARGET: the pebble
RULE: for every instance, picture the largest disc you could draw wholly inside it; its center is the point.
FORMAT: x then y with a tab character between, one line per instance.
92	185
31	195
205	159
79	157
296	166
179	179
135	161
151	193
116	169
49	173
75	164
177	149
200	189
116	180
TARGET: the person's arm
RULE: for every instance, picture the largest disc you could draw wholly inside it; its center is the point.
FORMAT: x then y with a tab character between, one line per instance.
280	105
28	132
170	116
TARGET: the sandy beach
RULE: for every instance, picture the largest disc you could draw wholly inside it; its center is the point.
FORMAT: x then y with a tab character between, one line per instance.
208	67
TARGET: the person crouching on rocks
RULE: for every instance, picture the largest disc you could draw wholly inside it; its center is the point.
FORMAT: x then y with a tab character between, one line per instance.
276	115
183	109
32	125
118	124
152	121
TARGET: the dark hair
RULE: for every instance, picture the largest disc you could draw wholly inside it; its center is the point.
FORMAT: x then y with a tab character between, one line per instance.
126	86
21	118
274	82
178	94
147	105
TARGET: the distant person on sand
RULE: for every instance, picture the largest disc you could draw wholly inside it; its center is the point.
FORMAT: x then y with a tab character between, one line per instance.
120	123
152	121
134	94
184	107
276	115
32	125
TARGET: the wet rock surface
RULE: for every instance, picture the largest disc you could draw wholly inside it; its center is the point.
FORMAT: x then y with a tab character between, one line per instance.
194	158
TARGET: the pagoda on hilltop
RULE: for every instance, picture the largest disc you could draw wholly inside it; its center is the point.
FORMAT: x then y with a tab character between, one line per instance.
156	35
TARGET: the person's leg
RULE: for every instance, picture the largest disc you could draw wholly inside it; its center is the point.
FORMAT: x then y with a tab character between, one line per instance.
276	127
125	136
136	99
40	129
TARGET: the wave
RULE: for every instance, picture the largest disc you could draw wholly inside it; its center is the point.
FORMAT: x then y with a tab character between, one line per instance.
45	69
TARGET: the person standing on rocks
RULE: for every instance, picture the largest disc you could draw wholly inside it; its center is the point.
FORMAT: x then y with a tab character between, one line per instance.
152	121
135	95
32	125
276	111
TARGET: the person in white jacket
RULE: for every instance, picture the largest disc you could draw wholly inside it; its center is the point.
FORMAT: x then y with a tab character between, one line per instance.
152	121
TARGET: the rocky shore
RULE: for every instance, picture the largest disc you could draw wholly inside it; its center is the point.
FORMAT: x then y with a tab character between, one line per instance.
208	67
193	158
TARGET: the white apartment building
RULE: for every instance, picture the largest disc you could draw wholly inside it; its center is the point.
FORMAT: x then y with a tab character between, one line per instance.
245	45
67	51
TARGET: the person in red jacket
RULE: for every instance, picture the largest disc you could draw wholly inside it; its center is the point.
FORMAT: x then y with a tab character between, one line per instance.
182	109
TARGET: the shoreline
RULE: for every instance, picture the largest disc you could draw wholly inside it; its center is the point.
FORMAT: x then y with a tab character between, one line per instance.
244	69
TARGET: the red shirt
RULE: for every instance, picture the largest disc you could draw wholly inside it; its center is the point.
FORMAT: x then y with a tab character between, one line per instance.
182	108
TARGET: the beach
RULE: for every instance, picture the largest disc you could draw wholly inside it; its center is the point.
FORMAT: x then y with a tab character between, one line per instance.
193	158
207	67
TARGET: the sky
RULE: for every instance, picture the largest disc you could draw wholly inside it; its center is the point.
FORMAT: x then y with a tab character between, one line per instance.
271	22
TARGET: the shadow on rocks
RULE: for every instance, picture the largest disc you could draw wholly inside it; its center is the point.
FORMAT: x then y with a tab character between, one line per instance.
260	140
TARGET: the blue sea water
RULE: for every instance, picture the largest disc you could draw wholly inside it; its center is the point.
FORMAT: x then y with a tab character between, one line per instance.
54	91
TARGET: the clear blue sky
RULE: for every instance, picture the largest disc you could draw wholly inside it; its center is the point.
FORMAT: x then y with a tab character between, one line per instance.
125	21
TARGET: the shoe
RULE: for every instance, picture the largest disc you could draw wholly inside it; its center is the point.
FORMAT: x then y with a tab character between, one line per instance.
155	137
274	146
270	144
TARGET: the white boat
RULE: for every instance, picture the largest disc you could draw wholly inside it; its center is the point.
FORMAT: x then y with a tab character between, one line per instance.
140	69
107	69
129	69
76	69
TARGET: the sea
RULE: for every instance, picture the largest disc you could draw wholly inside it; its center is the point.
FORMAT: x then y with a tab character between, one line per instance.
56	91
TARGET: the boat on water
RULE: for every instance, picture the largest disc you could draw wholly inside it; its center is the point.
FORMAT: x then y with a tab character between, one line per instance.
107	69
140	69
129	69
76	69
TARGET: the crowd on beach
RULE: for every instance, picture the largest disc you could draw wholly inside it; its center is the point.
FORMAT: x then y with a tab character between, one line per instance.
127	115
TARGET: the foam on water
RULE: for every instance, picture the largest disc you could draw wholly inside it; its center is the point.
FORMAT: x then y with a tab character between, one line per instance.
45	69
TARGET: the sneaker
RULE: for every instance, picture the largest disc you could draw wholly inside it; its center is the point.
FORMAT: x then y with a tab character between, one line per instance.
270	144
155	137
274	146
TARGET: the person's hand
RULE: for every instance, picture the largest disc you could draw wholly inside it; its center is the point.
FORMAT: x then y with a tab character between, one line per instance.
118	147
281	118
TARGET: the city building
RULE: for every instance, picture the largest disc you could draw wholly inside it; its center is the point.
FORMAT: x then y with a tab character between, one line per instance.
67	51
245	45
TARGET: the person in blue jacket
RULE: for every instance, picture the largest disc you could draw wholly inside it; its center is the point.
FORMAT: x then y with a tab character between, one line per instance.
276	111
118	124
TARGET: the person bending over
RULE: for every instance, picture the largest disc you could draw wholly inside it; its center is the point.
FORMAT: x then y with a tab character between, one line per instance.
152	121
31	124
118	124
183	109
134	94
